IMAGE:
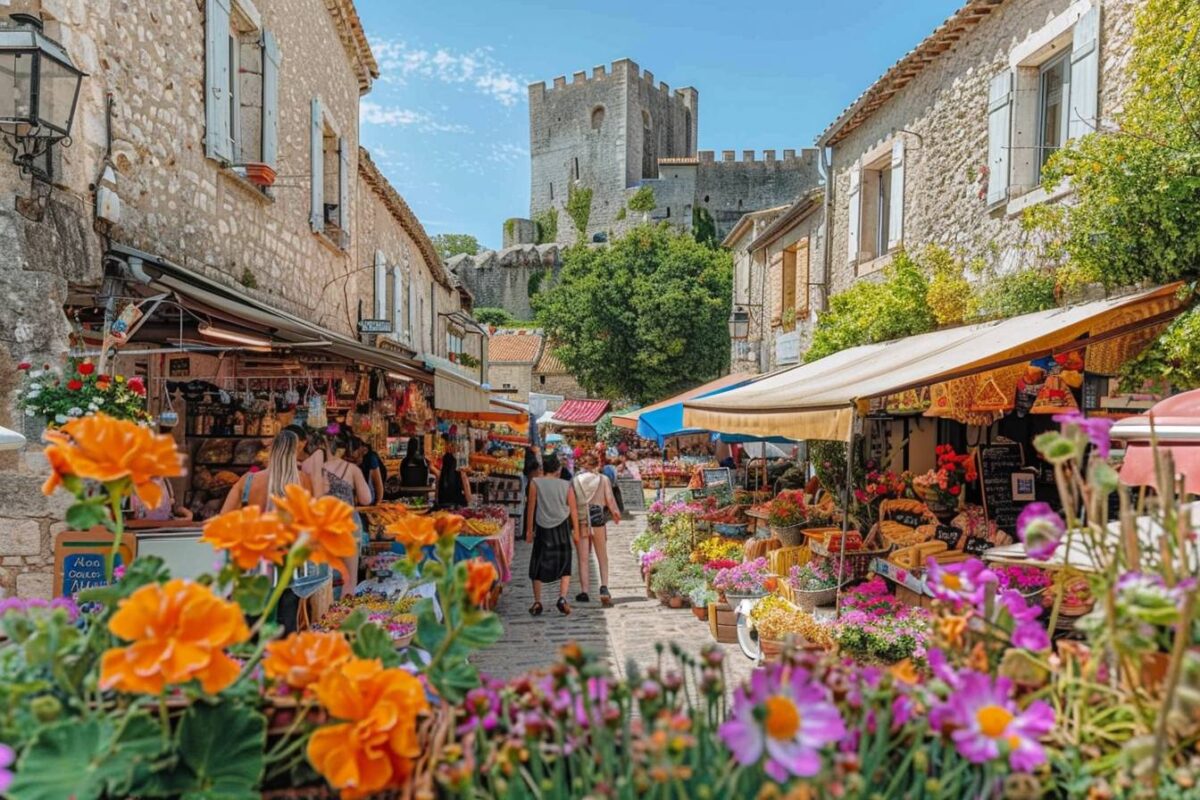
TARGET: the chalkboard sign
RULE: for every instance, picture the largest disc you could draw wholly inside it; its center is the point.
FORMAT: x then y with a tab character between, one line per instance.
997	463
717	477
948	534
632	494
909	518
976	546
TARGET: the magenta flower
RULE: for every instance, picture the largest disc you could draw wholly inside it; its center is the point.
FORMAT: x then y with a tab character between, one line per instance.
1041	529
1095	428
989	725
959	583
7	757
789	722
482	706
1030	636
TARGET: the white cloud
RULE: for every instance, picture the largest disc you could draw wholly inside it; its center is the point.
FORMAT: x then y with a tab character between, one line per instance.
372	113
507	153
477	68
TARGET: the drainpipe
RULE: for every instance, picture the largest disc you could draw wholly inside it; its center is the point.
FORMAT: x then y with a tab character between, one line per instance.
764	354
826	171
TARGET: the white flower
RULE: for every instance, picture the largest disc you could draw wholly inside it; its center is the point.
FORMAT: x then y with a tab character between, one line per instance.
33	395
37	373
98	401
93	407
29	412
35	387
75	411
61	419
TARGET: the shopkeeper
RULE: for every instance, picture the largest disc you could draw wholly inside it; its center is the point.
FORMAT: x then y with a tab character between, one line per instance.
453	485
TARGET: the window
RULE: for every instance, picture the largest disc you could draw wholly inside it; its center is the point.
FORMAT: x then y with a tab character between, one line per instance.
542	380
884	203
242	85
330	182
794	279
1048	95
876	200
1054	86
597	117
551	191
576	167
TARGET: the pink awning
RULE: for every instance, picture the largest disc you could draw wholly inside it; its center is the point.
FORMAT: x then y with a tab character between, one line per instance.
1177	428
580	412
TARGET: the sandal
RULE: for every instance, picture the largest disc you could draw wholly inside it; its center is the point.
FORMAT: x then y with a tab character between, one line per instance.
562	606
535	610
605	598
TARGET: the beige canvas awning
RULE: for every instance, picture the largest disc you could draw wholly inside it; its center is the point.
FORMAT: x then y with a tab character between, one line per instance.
629	420
817	400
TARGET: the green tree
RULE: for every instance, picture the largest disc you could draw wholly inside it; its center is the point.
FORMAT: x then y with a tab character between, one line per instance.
1138	187
704	228
643	317
643	200
453	244
493	316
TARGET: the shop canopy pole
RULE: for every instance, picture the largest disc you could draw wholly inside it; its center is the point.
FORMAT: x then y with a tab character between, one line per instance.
846	494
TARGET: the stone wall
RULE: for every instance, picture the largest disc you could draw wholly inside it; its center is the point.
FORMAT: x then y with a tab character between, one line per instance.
507	376
728	188
503	279
943	114
559	384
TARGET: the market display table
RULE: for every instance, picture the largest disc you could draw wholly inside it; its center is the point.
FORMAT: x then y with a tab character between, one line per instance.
500	546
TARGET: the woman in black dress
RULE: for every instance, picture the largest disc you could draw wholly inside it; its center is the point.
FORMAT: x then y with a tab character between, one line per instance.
453	488
551	525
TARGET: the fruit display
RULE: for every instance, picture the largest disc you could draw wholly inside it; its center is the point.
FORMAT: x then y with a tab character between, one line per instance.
481	527
493	465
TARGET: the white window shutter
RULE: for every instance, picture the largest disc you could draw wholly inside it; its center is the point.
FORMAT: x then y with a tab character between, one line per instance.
413	326
317	167
380	285
855	197
397	304
218	138
999	131
344	189
1085	74
270	99
896	212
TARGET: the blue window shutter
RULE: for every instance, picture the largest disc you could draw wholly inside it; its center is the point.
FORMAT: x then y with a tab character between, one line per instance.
218	138
317	167
270	99
999	124
344	189
1085	74
381	287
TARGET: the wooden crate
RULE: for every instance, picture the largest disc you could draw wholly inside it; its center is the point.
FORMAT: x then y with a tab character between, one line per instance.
910	598
722	623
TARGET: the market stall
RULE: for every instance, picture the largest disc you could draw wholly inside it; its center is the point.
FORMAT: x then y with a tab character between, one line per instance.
576	421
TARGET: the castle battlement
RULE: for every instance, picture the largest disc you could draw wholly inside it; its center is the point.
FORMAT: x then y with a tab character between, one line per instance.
621	68
751	157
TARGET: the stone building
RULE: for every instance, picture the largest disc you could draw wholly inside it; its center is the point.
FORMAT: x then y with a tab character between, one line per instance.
179	101
614	132
947	146
551	376
512	356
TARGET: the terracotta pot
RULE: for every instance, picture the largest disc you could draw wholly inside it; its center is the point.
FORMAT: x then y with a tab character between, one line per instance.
260	174
675	601
700	613
771	649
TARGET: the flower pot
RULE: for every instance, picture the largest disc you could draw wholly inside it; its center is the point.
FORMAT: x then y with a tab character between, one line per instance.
260	174
663	598
649	591
700	613
790	536
771	649
734	599
403	641
675	601
807	600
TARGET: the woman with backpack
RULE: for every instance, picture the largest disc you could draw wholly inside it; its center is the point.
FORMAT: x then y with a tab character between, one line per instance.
597	506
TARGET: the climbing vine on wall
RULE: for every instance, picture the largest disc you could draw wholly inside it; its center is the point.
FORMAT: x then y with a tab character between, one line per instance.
547	226
704	228
579	208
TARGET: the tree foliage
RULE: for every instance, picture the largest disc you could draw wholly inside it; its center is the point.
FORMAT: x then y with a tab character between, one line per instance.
704	228
547	226
1138	187
453	244
643	200
579	208
642	317
493	316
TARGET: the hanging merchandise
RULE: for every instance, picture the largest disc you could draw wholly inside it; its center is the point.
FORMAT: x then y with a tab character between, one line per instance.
168	417
951	399
316	411
362	393
1054	398
291	397
1030	385
913	401
997	390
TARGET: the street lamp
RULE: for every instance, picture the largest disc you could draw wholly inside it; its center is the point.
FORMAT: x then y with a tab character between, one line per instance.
739	323
39	87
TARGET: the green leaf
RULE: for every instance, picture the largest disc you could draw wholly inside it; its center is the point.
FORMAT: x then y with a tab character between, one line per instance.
78	759
354	621
143	571
221	750
85	516
430	632
455	680
373	641
251	593
482	633
1054	447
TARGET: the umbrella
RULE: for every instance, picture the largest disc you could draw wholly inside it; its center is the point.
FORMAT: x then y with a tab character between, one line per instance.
1177	428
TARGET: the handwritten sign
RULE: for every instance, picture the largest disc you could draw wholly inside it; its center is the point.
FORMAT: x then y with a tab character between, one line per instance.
909	518
948	534
976	546
79	558
997	463
632	494
716	477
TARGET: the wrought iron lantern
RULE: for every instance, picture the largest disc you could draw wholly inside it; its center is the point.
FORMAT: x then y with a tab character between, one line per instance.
739	323
39	88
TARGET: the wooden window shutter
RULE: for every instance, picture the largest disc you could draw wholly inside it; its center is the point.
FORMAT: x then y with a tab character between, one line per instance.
788	300
344	189
218	139
397	303
775	283
317	167
999	131
380	285
896	211
1085	74
855	212
270	99
412	328
803	279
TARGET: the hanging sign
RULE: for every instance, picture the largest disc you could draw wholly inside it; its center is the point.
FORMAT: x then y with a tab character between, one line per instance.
374	326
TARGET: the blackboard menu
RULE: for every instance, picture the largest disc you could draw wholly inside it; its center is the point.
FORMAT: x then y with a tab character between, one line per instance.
997	463
717	477
910	518
976	546
948	534
632	494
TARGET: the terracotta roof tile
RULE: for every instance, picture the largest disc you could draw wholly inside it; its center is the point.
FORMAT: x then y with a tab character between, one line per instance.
550	363
680	160
514	348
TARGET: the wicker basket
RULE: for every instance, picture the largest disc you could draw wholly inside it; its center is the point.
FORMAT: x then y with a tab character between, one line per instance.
791	536
728	529
810	600
858	562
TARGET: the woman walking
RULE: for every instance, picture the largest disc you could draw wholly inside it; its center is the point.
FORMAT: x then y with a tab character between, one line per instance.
551	525
594	497
341	479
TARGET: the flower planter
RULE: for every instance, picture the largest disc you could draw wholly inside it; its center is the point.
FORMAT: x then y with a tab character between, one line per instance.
790	536
734	599
260	174
700	613
675	601
722	623
807	600
771	649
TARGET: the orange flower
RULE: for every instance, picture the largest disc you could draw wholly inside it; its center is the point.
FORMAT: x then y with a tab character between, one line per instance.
481	576
302	659
905	672
448	524
328	525
414	532
178	632
250	536
373	749
952	629
105	449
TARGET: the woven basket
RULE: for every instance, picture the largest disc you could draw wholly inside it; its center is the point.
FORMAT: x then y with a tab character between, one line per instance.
791	536
810	600
858	562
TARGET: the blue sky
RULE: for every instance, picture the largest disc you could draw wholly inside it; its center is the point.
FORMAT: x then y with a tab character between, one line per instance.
448	120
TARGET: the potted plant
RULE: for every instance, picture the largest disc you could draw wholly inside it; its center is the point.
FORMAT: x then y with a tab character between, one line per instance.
788	515
700	595
778	621
815	583
1029	581
942	489
669	578
749	580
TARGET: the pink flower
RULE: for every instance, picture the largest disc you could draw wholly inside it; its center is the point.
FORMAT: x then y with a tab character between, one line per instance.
787	721
1030	636
1041	529
7	757
988	724
959	583
1095	428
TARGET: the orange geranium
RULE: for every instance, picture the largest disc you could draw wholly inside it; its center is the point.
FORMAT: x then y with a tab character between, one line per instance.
178	632
448	524
481	576
328	525
414	531
302	659
250	536
373	748
106	449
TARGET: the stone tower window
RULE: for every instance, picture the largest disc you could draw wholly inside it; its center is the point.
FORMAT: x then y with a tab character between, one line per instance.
576	160
597	117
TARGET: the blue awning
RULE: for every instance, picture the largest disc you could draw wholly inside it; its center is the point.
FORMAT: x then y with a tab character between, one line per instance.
665	419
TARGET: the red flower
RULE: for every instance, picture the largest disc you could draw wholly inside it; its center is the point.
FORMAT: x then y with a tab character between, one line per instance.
24	365
74	384
137	386
954	490
86	368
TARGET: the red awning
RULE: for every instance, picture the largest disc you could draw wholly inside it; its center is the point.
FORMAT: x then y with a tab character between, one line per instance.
580	412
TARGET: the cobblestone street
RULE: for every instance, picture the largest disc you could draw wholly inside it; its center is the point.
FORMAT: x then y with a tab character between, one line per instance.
628	630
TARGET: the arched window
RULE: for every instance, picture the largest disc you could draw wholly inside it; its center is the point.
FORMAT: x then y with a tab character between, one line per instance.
597	117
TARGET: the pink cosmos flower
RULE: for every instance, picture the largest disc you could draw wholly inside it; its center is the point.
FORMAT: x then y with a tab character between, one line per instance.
788	721
989	725
1041	529
7	757
1095	428
482	706
1027	632
959	583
